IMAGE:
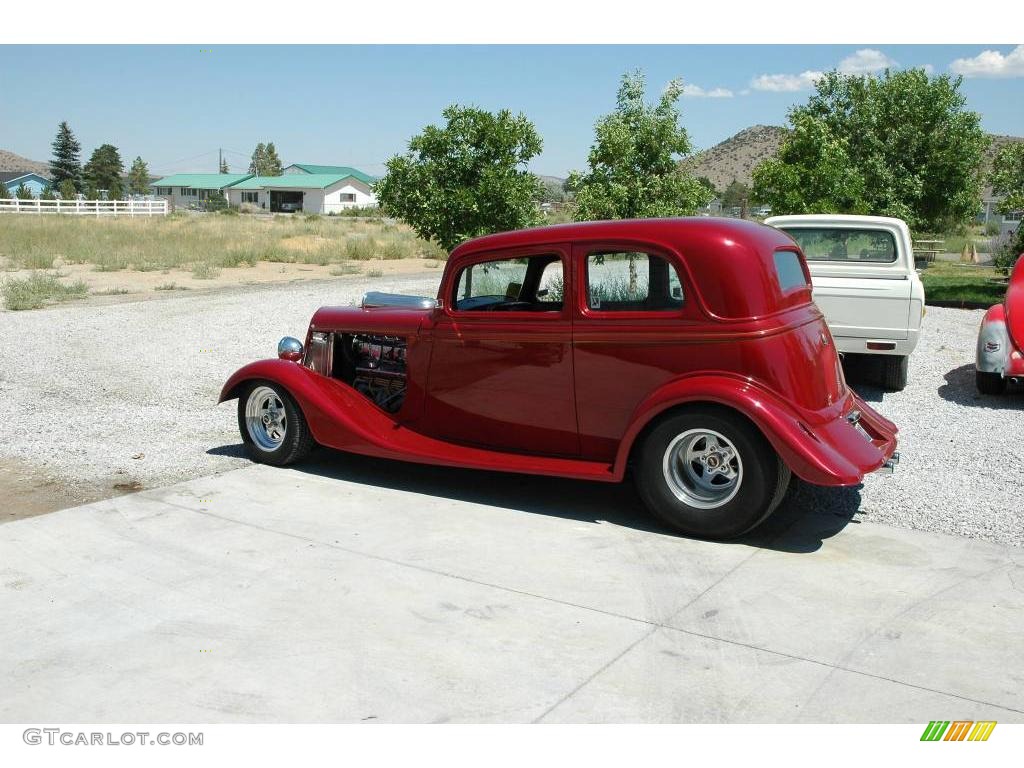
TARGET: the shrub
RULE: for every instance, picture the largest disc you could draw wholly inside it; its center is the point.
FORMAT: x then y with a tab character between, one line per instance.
39	289
204	271
359	248
229	211
1007	248
375	273
992	228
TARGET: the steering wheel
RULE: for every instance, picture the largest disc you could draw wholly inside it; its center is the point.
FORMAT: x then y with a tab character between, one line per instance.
507	306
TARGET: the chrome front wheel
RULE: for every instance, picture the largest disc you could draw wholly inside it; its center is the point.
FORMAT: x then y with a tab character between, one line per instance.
702	468
265	418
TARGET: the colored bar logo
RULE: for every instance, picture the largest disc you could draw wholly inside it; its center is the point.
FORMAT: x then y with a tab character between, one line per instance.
958	730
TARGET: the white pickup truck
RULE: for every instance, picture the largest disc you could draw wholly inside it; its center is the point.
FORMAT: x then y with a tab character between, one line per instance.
865	283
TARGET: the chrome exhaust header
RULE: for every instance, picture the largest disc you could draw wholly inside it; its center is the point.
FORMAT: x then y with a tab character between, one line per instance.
890	465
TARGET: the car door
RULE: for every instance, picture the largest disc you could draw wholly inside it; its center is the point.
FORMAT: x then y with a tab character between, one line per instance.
501	369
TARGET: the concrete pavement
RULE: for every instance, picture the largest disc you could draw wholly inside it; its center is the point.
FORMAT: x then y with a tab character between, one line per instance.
359	590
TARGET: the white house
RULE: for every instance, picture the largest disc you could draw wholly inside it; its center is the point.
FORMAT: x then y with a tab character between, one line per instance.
185	189
299	190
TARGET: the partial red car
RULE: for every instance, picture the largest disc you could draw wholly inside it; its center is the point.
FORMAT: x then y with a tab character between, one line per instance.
686	350
1000	354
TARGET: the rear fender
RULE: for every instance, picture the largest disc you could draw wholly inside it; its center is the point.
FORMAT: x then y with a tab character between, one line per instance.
994	345
812	457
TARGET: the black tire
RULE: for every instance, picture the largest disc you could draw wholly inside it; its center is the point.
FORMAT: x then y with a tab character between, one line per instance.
894	372
762	481
297	440
989	383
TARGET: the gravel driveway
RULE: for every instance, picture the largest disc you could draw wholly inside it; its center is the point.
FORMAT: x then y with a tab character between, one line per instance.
86	389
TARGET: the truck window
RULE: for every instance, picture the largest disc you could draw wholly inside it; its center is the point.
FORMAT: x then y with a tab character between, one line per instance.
876	246
790	273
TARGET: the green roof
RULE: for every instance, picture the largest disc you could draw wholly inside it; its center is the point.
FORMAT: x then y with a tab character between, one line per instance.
293	181
342	169
201	180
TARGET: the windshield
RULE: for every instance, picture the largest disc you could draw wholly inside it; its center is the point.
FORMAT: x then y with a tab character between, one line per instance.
838	244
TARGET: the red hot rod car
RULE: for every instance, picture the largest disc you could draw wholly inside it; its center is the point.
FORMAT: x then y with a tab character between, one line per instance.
687	349
1000	354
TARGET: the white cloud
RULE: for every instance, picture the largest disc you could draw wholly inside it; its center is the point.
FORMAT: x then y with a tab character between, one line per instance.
928	69
992	64
865	61
786	83
695	91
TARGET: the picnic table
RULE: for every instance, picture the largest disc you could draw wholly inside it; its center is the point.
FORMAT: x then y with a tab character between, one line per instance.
925	251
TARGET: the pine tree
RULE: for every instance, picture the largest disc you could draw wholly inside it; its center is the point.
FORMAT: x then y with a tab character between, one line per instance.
66	164
104	167
258	163
115	190
24	193
67	190
47	194
5	194
138	177
224	166
273	166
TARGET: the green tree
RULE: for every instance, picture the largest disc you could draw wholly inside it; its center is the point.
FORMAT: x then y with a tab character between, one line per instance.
900	144
735	195
104	168
1007	177
258	162
67	189
5	193
47	194
23	192
138	177
273	167
709	185
465	178
66	164
224	166
634	162
115	190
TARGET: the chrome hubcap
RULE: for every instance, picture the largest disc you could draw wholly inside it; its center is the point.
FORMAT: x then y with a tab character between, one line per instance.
265	418
702	468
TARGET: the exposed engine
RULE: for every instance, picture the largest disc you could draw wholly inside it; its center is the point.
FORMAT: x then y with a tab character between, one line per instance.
376	365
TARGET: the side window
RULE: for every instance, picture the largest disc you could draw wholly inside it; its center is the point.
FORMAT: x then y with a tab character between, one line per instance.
524	284
632	281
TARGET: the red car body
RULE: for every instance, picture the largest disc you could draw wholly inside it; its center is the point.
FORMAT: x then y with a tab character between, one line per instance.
569	392
1000	353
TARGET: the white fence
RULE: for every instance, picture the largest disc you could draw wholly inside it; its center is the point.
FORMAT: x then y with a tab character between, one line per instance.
86	207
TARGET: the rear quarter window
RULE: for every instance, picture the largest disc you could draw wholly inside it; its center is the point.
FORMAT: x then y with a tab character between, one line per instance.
789	271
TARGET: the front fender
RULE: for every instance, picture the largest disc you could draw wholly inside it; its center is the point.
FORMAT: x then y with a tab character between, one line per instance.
828	451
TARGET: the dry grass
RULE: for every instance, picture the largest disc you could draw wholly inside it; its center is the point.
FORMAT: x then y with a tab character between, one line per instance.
202	244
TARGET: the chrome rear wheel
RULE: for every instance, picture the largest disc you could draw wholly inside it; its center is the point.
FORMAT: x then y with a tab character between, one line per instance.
702	468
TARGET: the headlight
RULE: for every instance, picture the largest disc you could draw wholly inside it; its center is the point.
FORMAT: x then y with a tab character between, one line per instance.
289	349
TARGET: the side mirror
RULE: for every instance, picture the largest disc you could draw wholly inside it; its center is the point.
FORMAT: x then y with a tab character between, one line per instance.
289	348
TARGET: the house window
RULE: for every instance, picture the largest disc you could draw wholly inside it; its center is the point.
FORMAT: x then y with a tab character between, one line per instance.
348	197
620	281
250	197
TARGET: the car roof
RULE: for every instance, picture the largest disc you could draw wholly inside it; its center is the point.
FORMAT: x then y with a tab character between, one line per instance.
721	254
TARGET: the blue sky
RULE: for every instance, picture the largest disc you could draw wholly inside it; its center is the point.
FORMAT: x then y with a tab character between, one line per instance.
358	105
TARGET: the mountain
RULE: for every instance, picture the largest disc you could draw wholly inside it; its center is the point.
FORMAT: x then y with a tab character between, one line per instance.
737	156
12	162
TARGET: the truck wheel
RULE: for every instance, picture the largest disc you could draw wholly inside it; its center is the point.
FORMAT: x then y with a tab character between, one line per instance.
894	372
273	428
709	473
989	383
